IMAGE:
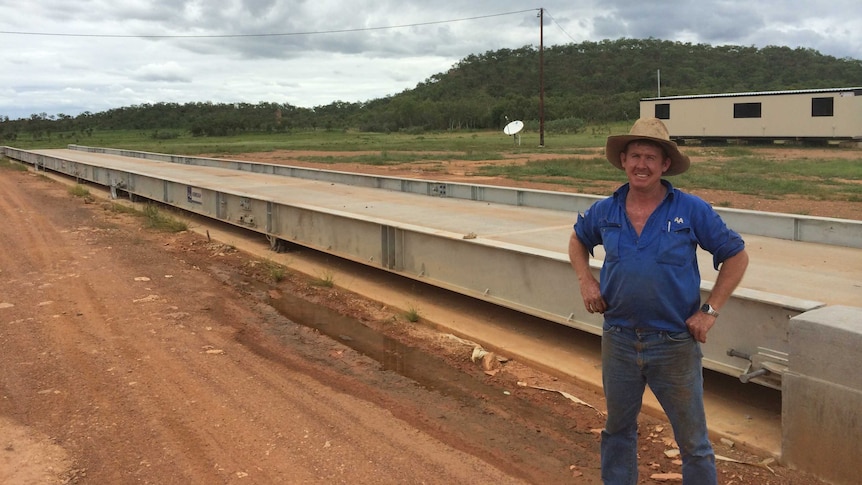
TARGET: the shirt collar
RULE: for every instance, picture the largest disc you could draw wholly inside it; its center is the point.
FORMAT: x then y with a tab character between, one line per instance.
620	193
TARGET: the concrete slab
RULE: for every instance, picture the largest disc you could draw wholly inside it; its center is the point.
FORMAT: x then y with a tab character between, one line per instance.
807	271
821	425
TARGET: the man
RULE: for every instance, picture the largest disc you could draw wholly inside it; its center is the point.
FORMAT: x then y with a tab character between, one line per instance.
649	295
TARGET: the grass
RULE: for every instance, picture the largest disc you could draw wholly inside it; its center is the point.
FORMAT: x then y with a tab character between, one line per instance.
275	271
122	209
830	179
160	221
326	279
79	190
7	164
387	157
822	179
572	168
735	168
476	144
412	314
737	151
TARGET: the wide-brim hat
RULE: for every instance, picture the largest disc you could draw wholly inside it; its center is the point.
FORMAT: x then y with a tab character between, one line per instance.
647	129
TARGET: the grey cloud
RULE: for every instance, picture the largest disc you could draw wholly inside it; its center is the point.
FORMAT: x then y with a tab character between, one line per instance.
317	65
717	23
167	77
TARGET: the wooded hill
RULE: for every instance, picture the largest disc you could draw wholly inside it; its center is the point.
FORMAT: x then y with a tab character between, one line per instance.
586	82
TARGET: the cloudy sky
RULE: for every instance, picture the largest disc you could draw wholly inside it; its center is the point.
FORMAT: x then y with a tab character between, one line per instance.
62	56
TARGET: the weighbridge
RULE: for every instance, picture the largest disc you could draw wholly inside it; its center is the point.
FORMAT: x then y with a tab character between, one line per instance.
794	324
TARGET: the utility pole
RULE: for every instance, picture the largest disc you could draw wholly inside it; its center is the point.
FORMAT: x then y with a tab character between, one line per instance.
541	77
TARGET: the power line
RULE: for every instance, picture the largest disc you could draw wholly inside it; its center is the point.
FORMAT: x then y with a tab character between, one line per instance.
282	34
560	26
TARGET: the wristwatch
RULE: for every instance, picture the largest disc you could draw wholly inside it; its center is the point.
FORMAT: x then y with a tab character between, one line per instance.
709	310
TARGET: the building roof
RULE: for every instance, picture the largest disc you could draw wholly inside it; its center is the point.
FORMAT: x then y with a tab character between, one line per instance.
853	91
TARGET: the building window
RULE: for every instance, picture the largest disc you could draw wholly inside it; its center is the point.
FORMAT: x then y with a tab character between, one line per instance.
822	107
746	110
662	111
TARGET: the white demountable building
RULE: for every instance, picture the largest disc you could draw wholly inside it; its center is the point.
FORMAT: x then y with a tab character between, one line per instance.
815	115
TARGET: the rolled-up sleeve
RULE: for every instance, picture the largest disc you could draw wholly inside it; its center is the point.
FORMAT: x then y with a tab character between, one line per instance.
587	230
714	236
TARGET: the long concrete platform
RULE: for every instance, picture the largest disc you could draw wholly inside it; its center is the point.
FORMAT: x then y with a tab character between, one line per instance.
510	254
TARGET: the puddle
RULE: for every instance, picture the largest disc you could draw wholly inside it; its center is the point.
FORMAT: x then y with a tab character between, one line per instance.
427	370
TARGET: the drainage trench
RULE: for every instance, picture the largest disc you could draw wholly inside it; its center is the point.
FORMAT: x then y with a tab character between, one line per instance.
427	370
489	414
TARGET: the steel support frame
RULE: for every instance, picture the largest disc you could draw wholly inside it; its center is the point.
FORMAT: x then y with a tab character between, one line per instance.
752	335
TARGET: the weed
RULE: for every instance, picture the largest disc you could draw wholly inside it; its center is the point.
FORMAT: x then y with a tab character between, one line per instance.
122	209
326	279
737	151
8	164
412	314
275	271
160	221
563	168
79	191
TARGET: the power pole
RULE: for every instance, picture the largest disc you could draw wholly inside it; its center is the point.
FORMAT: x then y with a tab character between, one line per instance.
541	77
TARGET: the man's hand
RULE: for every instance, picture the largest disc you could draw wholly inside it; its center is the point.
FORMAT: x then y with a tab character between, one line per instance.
592	295
699	324
589	285
729	276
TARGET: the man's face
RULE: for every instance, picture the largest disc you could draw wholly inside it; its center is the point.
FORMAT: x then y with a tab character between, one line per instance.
644	164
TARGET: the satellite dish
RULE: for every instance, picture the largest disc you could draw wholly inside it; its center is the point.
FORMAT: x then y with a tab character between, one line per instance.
514	127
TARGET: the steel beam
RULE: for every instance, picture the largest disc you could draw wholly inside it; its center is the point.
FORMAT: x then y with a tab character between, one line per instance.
507	261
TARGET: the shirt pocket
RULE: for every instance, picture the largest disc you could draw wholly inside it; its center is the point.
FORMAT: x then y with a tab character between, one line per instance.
677	245
611	239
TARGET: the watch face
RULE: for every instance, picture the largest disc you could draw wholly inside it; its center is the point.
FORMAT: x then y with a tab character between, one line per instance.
706	308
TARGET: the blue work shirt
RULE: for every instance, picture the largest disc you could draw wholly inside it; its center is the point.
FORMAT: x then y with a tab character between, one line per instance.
653	281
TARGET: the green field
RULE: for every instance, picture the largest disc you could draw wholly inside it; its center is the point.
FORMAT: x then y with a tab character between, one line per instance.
734	168
183	143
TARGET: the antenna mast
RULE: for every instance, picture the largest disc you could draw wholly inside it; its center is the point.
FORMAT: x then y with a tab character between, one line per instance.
541	78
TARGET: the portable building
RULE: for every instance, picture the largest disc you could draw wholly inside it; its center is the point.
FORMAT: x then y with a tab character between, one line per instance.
807	115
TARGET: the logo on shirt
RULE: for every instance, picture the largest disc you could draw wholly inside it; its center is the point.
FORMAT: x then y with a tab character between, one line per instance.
678	220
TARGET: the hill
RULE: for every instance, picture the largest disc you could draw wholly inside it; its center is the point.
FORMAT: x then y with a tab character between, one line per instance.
585	82
603	81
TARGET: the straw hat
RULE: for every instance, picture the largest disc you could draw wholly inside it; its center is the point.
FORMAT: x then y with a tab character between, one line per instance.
647	129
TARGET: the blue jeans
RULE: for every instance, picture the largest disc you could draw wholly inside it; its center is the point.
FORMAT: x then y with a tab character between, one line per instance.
670	363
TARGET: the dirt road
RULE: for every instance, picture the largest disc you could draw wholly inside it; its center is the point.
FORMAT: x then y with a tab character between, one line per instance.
133	356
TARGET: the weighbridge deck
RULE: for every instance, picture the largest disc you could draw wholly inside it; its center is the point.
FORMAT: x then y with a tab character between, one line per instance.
511	254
